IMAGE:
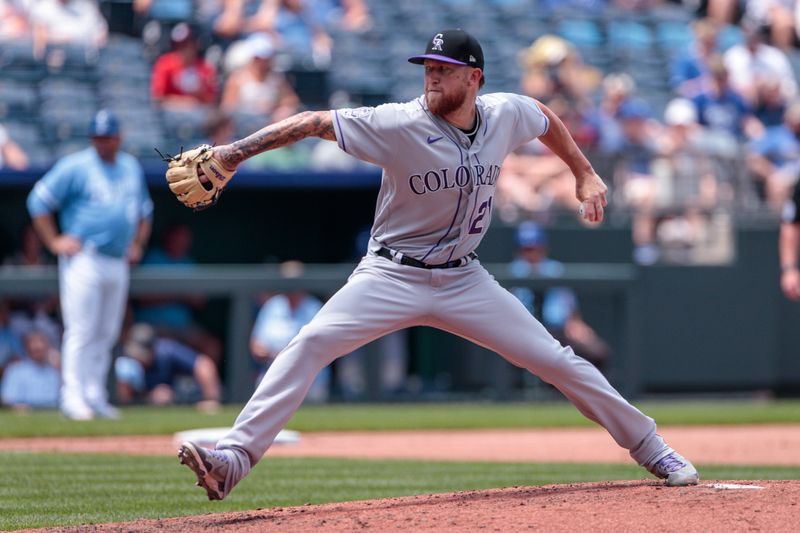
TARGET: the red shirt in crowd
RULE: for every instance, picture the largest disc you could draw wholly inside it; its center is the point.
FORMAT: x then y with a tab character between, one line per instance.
171	77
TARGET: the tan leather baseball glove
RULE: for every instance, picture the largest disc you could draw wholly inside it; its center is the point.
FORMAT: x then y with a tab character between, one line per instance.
197	178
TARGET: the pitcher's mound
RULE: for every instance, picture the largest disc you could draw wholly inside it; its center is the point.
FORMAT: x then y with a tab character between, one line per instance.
722	506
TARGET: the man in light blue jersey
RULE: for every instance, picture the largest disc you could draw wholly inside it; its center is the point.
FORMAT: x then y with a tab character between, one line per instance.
104	222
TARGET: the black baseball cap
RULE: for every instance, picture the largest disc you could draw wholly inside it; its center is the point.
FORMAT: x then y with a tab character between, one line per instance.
452	46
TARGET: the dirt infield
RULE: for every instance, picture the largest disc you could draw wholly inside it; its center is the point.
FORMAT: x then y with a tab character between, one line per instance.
613	506
756	444
597	507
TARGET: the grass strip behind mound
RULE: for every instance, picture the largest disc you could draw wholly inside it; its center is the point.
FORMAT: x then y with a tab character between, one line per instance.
341	417
45	490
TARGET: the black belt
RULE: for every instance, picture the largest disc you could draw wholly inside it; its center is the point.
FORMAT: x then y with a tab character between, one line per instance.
410	261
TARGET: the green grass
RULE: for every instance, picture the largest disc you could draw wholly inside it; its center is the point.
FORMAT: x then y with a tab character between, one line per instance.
45	490
159	421
41	490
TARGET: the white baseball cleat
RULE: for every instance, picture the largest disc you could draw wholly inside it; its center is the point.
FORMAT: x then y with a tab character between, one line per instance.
77	411
210	467
676	469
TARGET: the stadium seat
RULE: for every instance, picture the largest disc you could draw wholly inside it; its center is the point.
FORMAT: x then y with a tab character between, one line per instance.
17	53
673	35
582	33
125	94
66	90
629	35
26	134
184	125
511	7
17	98
69	147
67	119
39	155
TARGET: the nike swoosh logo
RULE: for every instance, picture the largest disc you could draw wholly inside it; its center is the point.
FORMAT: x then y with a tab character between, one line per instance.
432	140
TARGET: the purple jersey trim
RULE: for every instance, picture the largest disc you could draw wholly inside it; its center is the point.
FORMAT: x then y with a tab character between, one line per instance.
449	257
446	233
475	195
473	209
475	204
339	127
460	192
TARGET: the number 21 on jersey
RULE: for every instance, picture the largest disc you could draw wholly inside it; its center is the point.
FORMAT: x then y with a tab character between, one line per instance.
484	211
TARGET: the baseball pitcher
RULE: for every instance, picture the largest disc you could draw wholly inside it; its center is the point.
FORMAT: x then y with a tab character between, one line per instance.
441	155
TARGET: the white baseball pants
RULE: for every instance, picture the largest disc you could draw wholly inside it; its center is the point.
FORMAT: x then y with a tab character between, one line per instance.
93	290
382	296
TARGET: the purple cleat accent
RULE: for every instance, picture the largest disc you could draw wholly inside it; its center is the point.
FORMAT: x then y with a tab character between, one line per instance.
676	469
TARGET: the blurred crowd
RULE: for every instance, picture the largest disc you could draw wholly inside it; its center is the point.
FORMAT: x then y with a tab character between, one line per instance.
190	71
721	138
689	110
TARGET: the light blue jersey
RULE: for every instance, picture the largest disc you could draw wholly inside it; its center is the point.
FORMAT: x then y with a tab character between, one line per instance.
277	323
29	383
100	203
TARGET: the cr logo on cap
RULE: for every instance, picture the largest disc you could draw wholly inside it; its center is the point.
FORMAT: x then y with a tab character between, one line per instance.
437	42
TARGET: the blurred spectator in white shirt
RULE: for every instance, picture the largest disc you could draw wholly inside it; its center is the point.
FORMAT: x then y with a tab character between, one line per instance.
752	61
69	22
256	87
776	17
688	192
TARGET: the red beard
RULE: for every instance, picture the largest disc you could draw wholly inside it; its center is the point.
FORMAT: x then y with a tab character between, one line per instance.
443	104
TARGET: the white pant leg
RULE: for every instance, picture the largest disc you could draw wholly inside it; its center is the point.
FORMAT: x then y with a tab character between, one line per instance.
379	297
477	308
114	295
79	290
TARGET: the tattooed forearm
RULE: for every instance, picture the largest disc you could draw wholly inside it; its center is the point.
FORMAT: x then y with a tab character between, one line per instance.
283	133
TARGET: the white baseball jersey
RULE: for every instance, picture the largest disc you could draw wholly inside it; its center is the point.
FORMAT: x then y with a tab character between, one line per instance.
436	193
434	205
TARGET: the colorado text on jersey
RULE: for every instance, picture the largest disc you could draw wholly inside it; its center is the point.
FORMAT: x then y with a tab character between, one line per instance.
443	179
